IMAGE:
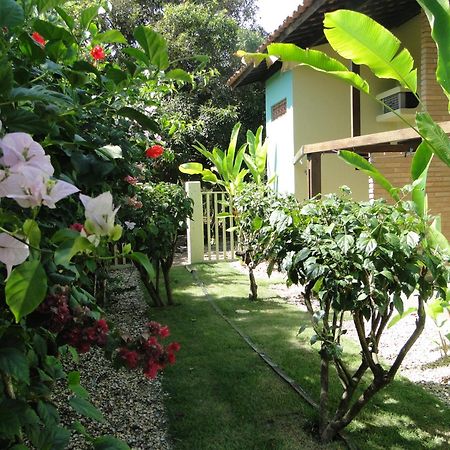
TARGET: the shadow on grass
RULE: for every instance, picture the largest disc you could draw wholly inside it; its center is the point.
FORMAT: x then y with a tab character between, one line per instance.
223	391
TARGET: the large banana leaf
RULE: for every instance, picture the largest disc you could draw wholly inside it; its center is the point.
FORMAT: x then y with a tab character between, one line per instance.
232	147
365	166
419	170
292	56
434	135
438	13
359	38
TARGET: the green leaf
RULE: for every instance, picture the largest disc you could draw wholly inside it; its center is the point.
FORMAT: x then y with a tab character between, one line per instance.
369	169
209	176
39	93
179	75
143	120
137	54
110	37
143	260
68	20
109	443
11	14
110	152
359	38
293	56
87	16
52	32
438	13
399	317
253	58
86	409
419	170
6	77
26	288
435	136
68	249
191	168
14	363
32	232
345	242
154	46
10	413
73	381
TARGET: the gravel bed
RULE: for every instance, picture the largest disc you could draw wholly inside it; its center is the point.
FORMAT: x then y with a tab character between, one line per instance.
133	406
425	364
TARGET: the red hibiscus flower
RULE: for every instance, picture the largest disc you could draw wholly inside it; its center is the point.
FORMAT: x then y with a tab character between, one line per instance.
98	53
155	151
38	38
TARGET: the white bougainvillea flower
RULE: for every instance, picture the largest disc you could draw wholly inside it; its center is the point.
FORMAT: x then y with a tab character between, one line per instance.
32	187
12	251
19	149
100	214
130	225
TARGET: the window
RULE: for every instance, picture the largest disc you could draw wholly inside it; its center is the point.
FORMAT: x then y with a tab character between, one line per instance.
279	109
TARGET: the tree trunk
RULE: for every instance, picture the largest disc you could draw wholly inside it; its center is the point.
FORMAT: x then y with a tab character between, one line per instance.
149	286
253	295
165	271
324	387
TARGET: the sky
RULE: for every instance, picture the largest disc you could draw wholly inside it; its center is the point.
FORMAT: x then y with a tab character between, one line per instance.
273	12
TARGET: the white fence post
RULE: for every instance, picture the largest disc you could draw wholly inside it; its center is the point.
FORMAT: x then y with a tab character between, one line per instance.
195	239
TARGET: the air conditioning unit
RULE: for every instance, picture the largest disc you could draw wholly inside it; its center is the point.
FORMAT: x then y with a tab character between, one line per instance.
401	100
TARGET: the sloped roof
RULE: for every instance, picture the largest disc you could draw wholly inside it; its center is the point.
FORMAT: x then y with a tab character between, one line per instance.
305	28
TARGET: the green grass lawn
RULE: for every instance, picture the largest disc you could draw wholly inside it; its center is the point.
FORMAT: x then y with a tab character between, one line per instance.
222	396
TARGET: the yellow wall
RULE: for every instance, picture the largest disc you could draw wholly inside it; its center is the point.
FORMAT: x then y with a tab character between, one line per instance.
322	113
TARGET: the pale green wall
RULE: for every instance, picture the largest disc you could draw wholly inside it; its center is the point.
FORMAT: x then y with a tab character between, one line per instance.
280	132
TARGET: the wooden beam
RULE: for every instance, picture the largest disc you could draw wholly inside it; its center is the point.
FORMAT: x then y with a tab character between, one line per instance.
386	137
355	99
314	175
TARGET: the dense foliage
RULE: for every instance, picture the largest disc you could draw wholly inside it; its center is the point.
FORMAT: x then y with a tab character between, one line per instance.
78	113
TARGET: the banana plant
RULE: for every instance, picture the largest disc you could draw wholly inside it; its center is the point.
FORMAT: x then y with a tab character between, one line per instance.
359	38
256	157
227	164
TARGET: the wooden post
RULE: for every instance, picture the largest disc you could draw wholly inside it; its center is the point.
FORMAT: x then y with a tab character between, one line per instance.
314	174
195	239
355	97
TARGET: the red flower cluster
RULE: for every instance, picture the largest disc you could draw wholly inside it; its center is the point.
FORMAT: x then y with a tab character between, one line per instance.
77	227
130	180
148	352
98	53
75	327
38	38
155	151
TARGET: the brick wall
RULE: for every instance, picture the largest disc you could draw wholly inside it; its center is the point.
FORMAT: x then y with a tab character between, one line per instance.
396	166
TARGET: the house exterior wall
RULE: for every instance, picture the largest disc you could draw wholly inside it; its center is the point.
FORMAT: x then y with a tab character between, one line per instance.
396	167
280	132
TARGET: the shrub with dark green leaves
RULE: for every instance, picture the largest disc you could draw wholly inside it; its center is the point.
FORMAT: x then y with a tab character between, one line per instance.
363	259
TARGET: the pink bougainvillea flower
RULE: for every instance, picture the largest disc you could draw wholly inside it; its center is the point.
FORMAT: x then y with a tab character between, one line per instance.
130	180
98	53
155	151
100	213
12	251
151	370
38	38
20	149
32	187
164	332
173	347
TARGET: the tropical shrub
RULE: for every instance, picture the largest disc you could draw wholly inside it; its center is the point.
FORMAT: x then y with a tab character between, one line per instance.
253	208
360	260
162	213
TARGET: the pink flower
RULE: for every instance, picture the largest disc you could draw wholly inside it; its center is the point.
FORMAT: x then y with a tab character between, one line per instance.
12	251
38	38
130	180
130	357
172	358
98	53
154	327
155	151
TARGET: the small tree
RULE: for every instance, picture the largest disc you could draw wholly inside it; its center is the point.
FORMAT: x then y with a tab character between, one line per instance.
360	259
